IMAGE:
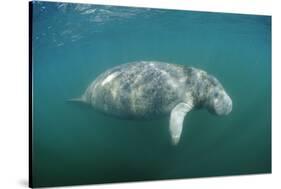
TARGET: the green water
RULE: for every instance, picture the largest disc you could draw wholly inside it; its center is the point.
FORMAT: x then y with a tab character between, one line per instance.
73	144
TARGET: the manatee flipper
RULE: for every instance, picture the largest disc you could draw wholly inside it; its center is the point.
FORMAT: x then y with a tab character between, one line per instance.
176	120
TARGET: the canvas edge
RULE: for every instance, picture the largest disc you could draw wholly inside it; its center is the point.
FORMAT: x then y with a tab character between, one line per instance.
30	138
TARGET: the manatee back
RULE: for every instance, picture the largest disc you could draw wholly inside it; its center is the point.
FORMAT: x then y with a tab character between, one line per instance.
138	90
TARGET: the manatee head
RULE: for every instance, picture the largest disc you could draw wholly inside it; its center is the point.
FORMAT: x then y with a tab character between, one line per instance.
218	101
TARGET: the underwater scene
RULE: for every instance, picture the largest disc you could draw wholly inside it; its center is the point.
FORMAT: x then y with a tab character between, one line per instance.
124	94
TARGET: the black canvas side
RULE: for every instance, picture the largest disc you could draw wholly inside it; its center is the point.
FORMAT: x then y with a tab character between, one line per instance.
30	92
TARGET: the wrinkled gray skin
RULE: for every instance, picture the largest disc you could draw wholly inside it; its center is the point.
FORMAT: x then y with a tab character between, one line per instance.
149	89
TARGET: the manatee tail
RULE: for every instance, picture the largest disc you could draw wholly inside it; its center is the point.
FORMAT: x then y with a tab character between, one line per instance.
79	100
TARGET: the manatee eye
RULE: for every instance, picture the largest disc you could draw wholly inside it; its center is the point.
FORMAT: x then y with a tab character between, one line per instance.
216	94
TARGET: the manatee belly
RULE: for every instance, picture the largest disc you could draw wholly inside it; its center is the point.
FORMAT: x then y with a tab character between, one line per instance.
137	90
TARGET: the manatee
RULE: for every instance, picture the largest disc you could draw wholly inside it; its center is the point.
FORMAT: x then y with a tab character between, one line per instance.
150	89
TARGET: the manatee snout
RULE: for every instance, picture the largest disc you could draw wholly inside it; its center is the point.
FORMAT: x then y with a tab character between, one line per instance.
223	106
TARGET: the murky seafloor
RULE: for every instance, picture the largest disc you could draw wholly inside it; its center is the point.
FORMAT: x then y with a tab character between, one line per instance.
74	144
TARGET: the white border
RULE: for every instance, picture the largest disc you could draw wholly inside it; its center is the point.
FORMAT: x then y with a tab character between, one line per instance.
14	93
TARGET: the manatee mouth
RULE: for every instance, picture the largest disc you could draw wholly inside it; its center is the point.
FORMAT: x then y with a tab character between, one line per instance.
228	107
223	107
